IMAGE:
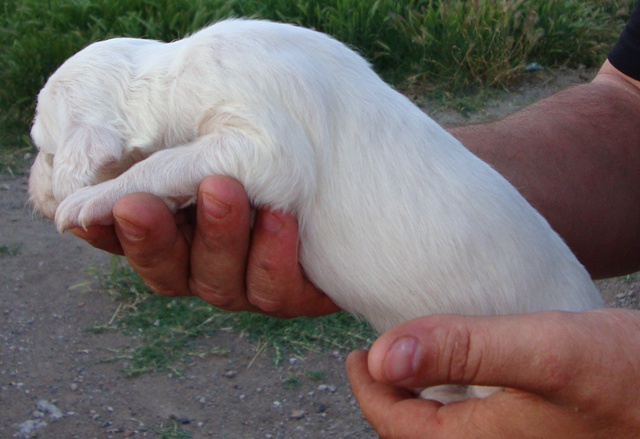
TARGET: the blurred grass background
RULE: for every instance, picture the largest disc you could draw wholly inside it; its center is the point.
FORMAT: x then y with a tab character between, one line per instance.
457	45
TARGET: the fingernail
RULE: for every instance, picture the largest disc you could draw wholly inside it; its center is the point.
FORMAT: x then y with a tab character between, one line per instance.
132	231
271	223
402	359
215	208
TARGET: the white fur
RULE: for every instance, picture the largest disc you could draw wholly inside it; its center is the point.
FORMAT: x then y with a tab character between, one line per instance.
397	218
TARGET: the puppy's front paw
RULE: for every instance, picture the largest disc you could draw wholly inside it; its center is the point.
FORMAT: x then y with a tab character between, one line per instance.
89	206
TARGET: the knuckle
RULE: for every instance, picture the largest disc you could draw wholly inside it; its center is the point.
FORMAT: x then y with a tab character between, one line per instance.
214	294
265	267
144	261
212	239
145	255
264	303
262	276
266	289
221	236
557	361
462	360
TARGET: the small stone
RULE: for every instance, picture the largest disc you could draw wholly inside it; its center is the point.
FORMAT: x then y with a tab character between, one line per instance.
327	388
181	419
533	67
28	428
49	409
230	374
298	414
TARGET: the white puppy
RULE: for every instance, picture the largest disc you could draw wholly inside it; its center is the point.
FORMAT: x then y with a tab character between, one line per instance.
397	219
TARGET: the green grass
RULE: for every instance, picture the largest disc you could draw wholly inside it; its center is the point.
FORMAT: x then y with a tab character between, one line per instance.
15	160
316	376
9	250
169	332
297	380
457	44
631	278
174	431
292	383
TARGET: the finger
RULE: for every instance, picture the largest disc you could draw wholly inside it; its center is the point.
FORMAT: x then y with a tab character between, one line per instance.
537	353
154	246
397	413
102	237
393	412
221	243
275	280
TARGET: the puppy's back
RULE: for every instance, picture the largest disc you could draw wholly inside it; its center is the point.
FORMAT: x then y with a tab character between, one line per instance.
401	220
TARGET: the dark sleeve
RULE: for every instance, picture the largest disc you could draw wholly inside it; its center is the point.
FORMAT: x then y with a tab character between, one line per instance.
625	55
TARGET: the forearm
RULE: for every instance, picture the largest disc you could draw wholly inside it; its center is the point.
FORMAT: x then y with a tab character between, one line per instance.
576	158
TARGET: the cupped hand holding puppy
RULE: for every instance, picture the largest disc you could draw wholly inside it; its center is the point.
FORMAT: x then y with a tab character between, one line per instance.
214	257
575	374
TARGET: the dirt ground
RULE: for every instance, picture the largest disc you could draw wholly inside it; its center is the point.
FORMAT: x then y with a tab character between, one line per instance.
54	382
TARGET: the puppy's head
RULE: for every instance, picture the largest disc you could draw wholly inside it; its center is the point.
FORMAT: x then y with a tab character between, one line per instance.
75	131
72	154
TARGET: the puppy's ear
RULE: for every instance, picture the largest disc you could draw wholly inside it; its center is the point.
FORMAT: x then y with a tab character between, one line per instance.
41	135
85	157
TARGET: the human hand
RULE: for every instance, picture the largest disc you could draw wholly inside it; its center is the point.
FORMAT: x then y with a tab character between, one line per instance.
212	253
577	375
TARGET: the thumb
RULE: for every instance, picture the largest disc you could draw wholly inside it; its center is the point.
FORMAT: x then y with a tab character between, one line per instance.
540	353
